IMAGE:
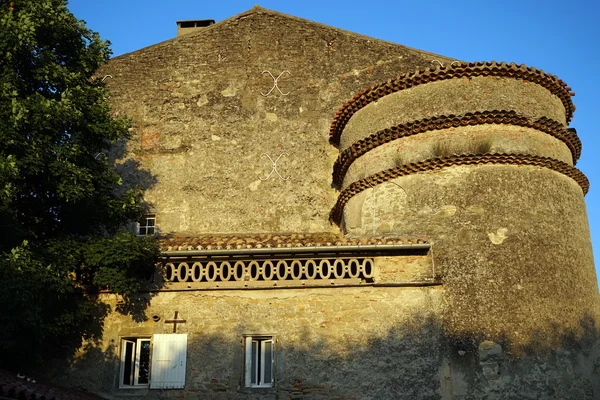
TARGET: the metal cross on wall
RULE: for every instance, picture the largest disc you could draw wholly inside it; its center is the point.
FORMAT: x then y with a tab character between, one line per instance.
175	321
274	167
275	86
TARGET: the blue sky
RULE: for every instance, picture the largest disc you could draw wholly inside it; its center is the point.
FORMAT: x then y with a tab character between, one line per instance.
557	36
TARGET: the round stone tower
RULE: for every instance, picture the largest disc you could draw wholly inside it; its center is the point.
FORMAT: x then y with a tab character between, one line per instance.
478	157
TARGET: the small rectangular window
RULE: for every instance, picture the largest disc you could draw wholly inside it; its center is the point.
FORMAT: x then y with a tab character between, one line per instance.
147	225
258	354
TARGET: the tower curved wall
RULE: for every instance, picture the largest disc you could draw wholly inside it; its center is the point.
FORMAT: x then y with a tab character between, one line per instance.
479	158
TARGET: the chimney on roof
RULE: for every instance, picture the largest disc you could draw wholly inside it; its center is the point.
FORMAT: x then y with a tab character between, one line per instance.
192	25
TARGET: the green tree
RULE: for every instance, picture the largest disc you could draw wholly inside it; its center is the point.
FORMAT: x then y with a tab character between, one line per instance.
63	212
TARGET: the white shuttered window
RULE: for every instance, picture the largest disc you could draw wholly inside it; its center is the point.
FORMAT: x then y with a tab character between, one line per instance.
168	361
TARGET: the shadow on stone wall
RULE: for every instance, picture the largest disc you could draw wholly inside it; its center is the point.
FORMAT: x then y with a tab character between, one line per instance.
555	363
131	170
86	344
136	307
136	177
95	363
139	179
416	360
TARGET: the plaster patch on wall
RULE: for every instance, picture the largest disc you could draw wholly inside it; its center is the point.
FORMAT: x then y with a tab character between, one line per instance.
447	211
229	91
313	227
478	210
254	186
353	212
499	236
184	212
424	211
291	224
202	101
384	228
452	174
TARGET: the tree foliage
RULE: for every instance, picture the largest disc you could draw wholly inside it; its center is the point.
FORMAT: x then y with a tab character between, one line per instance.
62	213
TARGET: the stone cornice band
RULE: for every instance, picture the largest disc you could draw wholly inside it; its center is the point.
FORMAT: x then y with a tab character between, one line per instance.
462	70
442	162
546	125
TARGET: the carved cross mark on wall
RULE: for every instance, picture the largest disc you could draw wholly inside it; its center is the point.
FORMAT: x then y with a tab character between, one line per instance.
275	84
175	321
274	167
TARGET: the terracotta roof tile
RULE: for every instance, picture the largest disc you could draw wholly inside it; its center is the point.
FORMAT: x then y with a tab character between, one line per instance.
278	240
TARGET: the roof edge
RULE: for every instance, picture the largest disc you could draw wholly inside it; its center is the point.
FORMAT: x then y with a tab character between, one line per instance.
260	10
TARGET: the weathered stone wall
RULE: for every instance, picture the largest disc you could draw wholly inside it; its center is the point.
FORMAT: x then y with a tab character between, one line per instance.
201	125
511	242
502	260
517	316
347	343
367	343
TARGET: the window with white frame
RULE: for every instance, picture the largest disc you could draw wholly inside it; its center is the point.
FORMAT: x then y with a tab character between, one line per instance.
258	361
147	225
158	362
135	362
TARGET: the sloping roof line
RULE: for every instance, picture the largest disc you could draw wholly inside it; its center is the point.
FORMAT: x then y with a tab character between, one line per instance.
260	10
281	240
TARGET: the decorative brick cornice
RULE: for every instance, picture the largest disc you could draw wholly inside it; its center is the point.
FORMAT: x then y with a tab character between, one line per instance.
442	162
546	125
458	70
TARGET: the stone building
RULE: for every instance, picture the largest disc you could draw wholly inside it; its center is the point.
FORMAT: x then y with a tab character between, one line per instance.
447	257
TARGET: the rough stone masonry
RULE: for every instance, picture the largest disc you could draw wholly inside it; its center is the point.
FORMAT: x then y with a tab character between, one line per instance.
459	265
